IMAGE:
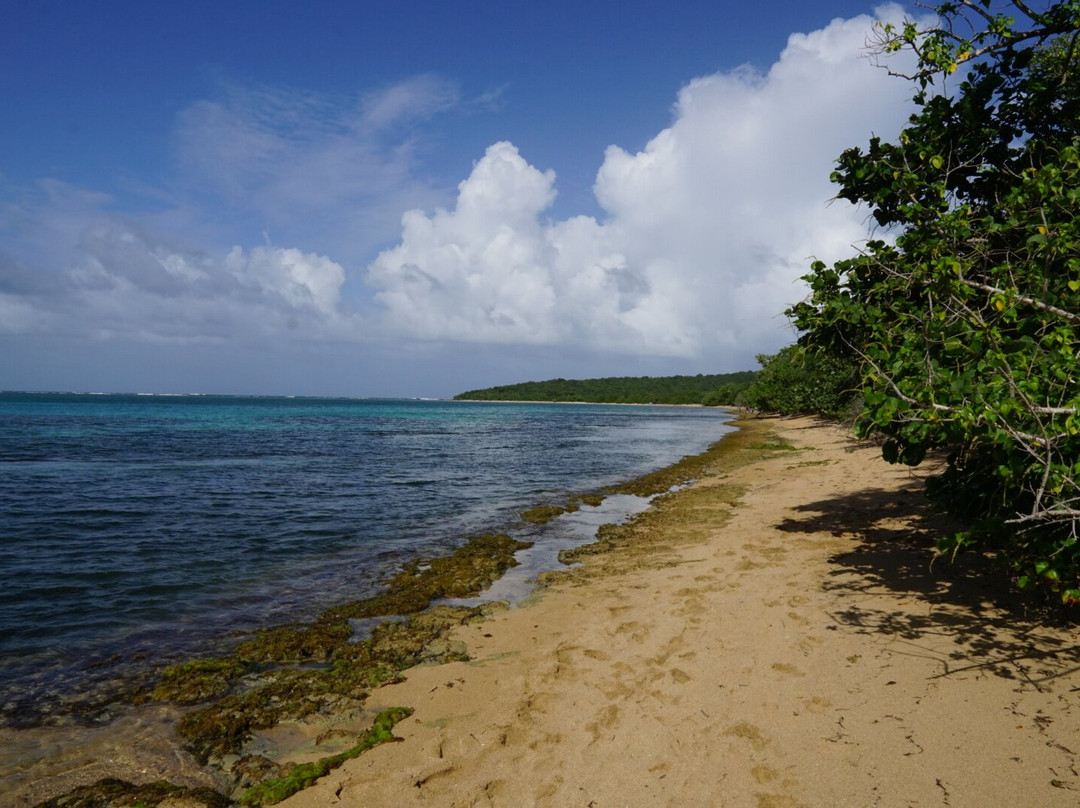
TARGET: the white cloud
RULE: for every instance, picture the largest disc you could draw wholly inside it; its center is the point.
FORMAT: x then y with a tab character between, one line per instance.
18	316
114	279
335	171
303	281
706	233
415	98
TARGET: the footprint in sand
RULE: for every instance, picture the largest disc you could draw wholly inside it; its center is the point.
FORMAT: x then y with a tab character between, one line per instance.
816	705
777	801
605	720
784	667
764	775
749	732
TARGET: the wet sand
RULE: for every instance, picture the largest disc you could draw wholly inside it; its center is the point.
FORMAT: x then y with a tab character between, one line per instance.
775	636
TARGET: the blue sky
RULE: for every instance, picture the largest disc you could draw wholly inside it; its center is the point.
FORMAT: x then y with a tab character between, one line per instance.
416	198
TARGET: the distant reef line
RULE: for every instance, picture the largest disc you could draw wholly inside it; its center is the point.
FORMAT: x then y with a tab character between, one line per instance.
717	389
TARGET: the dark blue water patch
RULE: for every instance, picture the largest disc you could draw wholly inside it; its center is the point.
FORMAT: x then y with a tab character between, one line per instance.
151	527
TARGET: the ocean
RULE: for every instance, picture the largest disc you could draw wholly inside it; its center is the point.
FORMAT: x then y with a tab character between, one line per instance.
136	530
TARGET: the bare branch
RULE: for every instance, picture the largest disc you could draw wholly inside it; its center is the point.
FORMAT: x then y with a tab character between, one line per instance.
1023	299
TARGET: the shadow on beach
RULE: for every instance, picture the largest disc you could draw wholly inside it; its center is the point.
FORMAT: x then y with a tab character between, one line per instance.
961	611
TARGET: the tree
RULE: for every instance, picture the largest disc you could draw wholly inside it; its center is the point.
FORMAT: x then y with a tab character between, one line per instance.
964	314
795	381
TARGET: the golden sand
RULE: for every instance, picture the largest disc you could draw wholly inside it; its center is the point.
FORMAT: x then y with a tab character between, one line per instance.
776	635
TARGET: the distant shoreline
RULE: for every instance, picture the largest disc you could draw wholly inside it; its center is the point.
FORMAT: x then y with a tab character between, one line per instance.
727	407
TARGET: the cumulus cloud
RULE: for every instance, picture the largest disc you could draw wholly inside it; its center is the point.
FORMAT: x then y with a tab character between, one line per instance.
704	233
114	278
706	230
322	174
302	281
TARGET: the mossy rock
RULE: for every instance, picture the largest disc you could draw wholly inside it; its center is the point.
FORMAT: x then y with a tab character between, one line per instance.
295	671
114	793
466	572
250	770
198	680
355	669
542	514
301	776
296	643
592	500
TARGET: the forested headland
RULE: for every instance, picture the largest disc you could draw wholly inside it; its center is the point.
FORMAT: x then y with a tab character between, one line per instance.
708	389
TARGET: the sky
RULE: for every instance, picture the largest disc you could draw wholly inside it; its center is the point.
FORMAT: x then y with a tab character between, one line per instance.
419	198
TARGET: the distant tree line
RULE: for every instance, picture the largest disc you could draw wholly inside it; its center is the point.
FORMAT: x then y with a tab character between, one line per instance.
709	389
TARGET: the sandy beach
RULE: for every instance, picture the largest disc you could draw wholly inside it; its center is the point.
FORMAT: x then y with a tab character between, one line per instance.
773	636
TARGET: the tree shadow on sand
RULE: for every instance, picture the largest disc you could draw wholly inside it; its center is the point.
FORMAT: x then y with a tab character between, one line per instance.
961	612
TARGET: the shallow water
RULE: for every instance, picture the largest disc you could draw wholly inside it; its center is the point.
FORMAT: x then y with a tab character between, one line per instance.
135	530
130	549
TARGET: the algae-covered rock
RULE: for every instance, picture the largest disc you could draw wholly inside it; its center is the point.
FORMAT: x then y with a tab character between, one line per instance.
592	500
250	770
298	777
274	695
296	671
198	680
542	514
114	793
466	572
296	643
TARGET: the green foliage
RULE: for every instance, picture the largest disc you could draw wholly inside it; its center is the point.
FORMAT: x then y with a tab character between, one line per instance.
799	381
714	389
725	395
966	326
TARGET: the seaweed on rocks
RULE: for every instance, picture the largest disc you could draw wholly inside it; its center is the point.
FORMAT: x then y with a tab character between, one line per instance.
542	514
592	500
197	680
298	777
306	671
466	572
700	509
272	695
114	793
296	671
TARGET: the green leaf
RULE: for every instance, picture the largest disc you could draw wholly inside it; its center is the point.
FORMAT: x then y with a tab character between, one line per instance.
890	451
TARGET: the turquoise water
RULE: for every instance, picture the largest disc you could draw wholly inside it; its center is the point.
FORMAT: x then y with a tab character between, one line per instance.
134	529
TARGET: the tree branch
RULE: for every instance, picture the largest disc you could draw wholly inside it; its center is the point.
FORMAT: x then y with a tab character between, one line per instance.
1022	298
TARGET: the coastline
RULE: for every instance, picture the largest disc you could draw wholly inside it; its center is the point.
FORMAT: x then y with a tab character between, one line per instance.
774	635
725	407
140	744
771	635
